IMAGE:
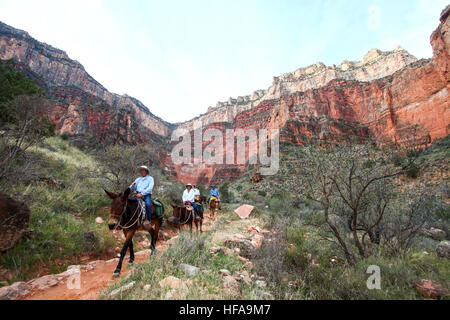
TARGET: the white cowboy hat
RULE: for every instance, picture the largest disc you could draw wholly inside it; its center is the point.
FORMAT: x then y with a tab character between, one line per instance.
145	168
188	184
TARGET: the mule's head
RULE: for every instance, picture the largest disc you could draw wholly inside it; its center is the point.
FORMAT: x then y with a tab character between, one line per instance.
117	207
174	220
176	211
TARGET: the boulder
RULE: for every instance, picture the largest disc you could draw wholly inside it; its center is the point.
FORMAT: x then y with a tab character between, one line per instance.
246	247
44	282
244	211
15	218
434	233
443	249
189	270
14	291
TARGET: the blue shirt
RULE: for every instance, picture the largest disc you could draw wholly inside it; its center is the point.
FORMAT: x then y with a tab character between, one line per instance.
214	193
144	185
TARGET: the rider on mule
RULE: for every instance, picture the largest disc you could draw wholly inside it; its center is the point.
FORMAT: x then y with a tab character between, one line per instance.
214	194
189	198
143	186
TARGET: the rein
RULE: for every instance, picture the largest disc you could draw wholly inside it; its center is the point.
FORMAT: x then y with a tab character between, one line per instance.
190	214
118	225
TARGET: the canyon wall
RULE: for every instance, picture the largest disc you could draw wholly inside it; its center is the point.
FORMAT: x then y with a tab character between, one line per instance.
58	70
387	97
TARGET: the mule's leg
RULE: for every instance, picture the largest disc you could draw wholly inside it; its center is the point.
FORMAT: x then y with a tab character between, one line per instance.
123	252
130	262
129	238
155	234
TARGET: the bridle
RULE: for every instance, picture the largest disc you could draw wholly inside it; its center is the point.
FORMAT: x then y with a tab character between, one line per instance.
188	218
119	217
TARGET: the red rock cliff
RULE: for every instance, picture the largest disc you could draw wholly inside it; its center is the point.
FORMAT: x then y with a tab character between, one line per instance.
390	97
58	70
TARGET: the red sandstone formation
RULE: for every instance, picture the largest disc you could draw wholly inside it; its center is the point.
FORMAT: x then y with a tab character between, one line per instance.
389	97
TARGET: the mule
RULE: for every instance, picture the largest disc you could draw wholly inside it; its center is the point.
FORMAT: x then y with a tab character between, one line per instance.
124	215
182	216
214	205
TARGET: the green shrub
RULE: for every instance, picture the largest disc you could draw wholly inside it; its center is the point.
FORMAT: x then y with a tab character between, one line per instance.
413	171
262	193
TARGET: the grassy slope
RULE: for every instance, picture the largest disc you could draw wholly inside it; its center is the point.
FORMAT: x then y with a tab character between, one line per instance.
62	217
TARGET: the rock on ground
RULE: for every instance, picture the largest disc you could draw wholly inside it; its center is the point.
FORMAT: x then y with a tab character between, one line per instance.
99	220
247	248
189	270
443	249
122	290
434	233
44	282
14	291
147	288
430	289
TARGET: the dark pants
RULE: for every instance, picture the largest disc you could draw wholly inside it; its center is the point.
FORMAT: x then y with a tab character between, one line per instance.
148	206
194	205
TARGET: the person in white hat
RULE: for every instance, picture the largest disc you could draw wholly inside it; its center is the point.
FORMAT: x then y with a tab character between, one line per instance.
143	186
189	198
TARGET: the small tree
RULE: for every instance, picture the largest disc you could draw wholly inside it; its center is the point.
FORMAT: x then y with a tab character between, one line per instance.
25	126
119	164
353	186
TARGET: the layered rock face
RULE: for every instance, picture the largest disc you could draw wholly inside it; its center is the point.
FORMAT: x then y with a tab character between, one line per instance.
387	97
58	70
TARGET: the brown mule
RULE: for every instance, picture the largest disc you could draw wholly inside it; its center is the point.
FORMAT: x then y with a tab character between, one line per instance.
213	206
182	216
124	214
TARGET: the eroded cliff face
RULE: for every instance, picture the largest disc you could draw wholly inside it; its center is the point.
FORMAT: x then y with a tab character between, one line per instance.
387	97
58	70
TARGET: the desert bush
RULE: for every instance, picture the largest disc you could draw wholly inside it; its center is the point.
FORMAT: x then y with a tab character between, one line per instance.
119	165
24	127
353	186
225	194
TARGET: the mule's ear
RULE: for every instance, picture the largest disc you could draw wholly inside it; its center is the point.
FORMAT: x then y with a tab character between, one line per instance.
126	193
111	195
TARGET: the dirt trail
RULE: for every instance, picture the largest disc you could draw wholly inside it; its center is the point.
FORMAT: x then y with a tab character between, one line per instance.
96	276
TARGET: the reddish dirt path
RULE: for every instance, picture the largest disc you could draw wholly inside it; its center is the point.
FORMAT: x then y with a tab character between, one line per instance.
98	276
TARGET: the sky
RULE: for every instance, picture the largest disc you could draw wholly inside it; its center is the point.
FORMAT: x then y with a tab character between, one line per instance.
180	57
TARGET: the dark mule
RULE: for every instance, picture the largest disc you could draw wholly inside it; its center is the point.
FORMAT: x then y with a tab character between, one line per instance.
183	216
202	199
124	214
